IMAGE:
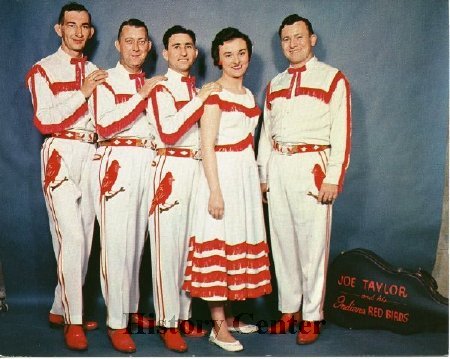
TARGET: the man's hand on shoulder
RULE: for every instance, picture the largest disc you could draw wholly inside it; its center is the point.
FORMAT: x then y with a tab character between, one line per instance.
150	84
208	89
94	79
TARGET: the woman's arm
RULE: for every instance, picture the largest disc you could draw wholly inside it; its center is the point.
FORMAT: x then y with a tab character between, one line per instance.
208	131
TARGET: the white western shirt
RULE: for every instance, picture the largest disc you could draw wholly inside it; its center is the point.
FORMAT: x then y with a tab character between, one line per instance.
175	109
54	83
308	107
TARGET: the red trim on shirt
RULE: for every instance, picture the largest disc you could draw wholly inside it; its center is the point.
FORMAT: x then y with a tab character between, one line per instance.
348	141
55	88
268	104
320	94
118	97
180	104
58	127
172	138
94	100
232	106
124	122
324	96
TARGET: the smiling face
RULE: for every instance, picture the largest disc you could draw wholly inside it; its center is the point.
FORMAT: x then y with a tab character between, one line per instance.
234	58
74	31
133	46
181	53
297	43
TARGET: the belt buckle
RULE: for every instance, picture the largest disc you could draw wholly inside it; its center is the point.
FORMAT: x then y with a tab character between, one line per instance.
87	137
286	150
146	143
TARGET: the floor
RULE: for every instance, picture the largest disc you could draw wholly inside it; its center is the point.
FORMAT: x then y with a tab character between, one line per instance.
24	332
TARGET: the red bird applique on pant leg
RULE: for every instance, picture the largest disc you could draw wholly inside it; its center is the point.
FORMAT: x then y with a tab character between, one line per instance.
109	179
162	193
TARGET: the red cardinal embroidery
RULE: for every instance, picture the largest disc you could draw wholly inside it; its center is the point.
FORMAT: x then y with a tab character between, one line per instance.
52	169
162	194
318	176
109	180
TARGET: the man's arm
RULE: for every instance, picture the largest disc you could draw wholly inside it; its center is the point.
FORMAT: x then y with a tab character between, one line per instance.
340	140
173	122
264	147
53	113
113	117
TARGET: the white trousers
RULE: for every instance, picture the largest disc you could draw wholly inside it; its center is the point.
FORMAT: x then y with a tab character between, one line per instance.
169	236
300	233
65	174
121	185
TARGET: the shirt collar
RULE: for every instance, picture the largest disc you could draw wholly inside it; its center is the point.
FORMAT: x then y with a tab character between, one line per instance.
63	55
173	75
311	62
122	69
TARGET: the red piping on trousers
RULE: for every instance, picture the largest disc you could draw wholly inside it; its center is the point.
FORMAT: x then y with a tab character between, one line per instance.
159	289
64	300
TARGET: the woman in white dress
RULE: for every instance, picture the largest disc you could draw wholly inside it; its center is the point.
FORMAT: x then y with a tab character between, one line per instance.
228	255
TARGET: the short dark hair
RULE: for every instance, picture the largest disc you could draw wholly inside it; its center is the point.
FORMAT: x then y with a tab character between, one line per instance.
72	6
132	22
227	34
177	29
292	19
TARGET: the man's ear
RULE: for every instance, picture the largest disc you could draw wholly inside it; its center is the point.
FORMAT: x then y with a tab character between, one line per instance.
57	28
313	40
92	32
165	55
117	45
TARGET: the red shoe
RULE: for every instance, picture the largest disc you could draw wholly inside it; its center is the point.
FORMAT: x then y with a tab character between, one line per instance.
190	330
75	338
285	324
309	332
142	321
172	339
121	340
57	321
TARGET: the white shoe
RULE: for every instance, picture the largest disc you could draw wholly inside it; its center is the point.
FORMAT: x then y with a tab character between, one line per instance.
244	329
235	346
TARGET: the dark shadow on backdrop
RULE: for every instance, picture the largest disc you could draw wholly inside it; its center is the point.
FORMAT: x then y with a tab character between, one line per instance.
199	68
346	226
149	66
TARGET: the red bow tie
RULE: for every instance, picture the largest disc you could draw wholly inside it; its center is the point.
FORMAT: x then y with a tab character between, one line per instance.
139	78
190	81
296	77
77	60
296	70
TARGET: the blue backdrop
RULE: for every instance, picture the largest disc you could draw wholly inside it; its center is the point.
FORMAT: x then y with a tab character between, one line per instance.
395	54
